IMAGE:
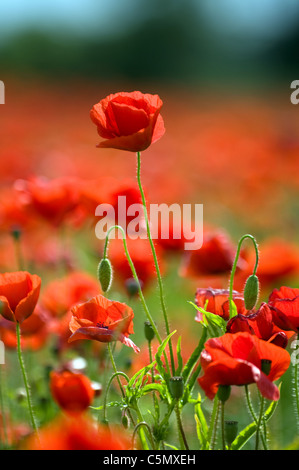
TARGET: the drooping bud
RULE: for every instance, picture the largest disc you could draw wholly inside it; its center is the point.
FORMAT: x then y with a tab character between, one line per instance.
251	292
223	392
149	331
176	387
230	431
266	366
105	274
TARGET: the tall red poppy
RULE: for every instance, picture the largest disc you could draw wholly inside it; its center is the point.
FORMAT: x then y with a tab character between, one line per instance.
103	320
236	359
19	292
128	120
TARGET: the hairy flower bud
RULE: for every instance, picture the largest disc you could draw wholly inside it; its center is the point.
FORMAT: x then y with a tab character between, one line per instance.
251	292
176	386
105	274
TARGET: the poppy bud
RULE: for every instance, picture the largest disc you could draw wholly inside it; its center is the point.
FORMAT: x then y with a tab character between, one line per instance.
176	387
251	291
266	366
105	274
148	331
223	392
132	286
230	431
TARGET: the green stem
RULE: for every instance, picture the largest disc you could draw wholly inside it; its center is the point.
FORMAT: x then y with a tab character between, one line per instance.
160	283
115	370
134	273
252	412
139	425
296	384
105	420
259	423
213	423
235	267
222	426
22	365
180	426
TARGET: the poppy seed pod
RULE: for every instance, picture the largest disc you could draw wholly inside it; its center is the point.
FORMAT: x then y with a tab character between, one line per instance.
223	392
105	274
266	366
176	387
148	331
251	291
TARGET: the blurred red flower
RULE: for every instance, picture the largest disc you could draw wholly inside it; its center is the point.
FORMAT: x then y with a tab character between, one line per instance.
72	391
235	359
34	330
103	320
19	292
218	302
284	304
77	433
128	121
215	257
140	252
62	294
52	200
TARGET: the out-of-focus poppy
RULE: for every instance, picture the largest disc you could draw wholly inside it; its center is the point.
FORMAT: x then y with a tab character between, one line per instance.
53	199
278	260
103	320
236	359
72	391
62	294
35	330
19	293
214	258
217	301
128	121
285	310
259	323
142	258
77	433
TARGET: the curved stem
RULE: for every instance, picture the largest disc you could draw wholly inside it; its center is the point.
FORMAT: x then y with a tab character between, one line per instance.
141	296
107	390
254	417
180	426
160	283
115	370
139	425
233	271
22	365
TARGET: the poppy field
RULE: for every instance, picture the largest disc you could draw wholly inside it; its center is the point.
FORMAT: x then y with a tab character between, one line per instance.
127	342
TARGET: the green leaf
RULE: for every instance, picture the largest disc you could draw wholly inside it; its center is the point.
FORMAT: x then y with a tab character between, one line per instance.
194	356
210	318
158	355
179	356
201	425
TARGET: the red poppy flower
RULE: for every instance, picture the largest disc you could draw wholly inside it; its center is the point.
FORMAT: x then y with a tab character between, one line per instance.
19	292
102	320
77	433
218	302
73	392
284	304
259	323
34	331
235	359
128	121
